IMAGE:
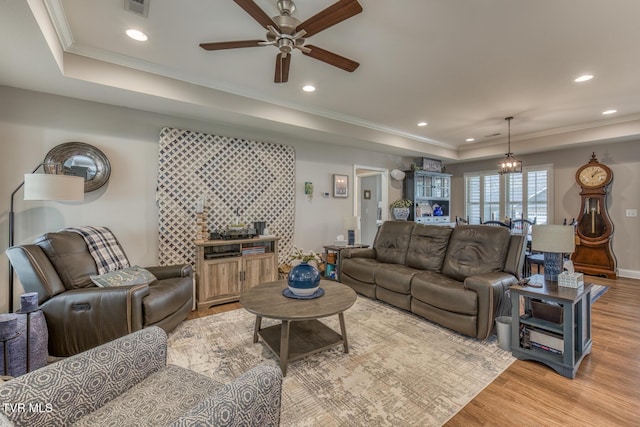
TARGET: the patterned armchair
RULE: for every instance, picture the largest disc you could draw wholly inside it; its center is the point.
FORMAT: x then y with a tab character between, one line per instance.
128	382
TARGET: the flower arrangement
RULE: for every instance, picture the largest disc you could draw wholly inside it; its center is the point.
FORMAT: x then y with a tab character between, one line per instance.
299	255
401	203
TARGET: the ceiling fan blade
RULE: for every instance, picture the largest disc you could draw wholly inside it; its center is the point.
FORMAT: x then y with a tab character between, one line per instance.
337	12
331	58
231	45
256	13
282	68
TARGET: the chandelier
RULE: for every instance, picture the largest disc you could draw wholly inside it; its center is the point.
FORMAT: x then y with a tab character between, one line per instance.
509	164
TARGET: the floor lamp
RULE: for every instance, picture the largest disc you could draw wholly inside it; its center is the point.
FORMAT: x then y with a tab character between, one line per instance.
43	187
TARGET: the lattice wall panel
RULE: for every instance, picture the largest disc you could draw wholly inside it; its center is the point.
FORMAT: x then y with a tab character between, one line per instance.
254	179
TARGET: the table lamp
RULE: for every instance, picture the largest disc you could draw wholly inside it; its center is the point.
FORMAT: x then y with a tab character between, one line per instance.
553	241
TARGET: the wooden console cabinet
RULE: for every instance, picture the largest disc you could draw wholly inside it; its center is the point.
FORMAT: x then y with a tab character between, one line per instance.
226	268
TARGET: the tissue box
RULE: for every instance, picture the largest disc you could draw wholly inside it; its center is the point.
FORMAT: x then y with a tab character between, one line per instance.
570	280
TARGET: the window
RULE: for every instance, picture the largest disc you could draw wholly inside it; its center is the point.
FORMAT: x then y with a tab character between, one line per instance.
490	196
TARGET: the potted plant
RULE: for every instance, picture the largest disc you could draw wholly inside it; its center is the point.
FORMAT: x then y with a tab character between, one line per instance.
400	209
298	256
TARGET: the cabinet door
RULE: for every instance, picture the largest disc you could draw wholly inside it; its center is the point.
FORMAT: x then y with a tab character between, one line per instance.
221	277
259	269
423	186
440	187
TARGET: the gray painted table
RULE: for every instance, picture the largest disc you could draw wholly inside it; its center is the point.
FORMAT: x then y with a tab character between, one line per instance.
574	331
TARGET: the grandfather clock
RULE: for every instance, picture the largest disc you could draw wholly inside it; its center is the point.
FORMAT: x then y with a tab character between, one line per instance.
593	254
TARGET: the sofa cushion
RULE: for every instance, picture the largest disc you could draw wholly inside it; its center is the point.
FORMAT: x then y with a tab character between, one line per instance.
475	249
428	246
165	298
392	241
125	277
361	269
254	399
70	257
462	323
444	292
395	277
158	400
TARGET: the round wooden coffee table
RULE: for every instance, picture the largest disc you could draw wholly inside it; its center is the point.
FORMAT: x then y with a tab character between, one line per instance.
300	333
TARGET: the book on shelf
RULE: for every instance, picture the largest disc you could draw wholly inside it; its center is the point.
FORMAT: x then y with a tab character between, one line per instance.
546	338
545	348
253	250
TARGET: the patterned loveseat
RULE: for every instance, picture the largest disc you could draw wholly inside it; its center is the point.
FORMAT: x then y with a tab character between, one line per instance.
128	382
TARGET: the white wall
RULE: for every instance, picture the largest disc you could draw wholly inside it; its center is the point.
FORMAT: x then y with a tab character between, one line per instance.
624	160
32	123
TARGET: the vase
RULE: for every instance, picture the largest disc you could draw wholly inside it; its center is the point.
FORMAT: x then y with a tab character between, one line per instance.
303	279
400	214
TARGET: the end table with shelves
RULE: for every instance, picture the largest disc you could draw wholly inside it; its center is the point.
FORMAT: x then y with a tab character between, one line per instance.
565	343
332	259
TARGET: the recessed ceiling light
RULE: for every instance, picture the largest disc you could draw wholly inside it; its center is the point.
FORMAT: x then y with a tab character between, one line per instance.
137	35
583	78
308	88
470	139
609	112
422	124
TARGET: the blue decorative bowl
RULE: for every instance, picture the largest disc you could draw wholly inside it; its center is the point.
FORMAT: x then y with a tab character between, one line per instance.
303	279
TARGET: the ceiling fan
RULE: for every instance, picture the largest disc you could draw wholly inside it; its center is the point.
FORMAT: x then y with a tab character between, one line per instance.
287	33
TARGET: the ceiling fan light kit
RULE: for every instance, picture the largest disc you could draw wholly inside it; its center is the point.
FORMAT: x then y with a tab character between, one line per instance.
287	33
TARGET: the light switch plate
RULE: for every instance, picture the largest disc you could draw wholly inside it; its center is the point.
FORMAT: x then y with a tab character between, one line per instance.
632	212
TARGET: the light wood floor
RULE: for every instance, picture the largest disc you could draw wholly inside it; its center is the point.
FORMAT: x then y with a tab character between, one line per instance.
605	392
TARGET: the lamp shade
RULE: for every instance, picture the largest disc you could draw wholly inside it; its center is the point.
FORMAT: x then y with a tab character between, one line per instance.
351	222
553	238
43	186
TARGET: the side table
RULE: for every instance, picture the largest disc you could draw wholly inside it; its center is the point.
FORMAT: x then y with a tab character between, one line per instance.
332	253
26	349
565	343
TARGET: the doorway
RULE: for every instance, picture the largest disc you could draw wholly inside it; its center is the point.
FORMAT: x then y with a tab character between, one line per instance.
371	197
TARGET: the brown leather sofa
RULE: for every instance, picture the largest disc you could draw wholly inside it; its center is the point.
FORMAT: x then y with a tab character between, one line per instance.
79	314
457	277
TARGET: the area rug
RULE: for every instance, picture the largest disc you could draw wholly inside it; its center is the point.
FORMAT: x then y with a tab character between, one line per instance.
597	291
400	370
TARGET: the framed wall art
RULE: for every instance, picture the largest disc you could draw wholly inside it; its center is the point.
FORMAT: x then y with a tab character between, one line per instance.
340	185
367	194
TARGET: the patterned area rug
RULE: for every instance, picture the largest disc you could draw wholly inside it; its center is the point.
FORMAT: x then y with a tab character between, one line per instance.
400	370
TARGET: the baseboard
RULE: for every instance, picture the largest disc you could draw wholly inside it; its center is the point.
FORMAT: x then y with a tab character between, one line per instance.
630	274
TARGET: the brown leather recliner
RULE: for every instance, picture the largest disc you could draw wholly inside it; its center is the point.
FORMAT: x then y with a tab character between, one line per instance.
81	315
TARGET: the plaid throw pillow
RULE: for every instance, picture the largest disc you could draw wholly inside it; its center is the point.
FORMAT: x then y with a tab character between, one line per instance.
103	247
